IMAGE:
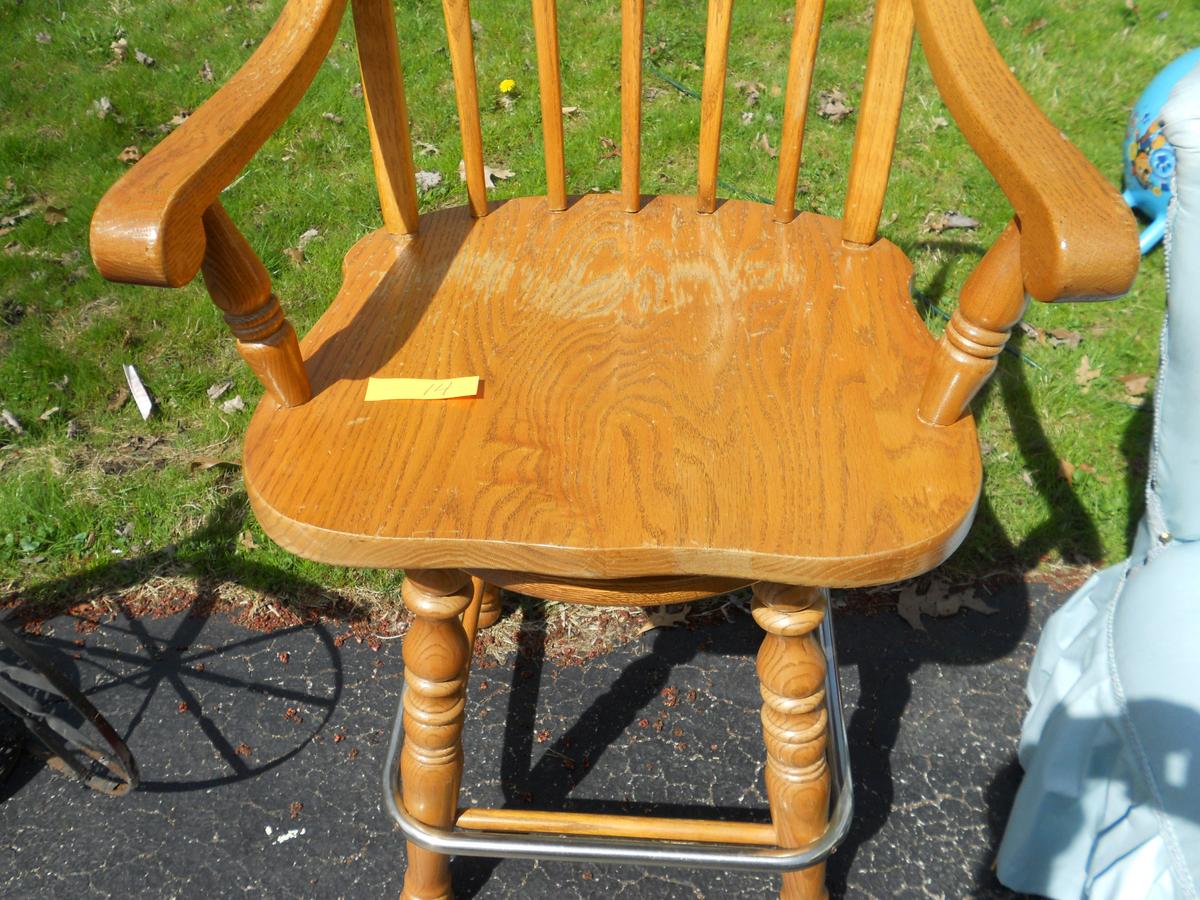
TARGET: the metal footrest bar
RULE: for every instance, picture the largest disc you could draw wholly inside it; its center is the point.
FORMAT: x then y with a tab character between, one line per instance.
646	851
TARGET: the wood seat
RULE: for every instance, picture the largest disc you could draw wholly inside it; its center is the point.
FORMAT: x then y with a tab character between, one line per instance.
666	392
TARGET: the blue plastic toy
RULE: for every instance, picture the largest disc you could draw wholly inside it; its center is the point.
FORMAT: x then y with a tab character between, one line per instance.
1149	156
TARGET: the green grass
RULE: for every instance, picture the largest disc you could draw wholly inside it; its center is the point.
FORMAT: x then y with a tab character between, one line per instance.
77	500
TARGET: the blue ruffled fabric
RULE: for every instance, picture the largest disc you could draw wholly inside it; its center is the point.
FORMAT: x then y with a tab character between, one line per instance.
1110	803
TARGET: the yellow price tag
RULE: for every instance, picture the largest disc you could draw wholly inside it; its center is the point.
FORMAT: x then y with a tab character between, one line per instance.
422	388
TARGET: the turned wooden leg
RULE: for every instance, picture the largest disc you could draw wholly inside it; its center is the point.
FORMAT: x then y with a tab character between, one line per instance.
436	658
489	612
791	673
991	303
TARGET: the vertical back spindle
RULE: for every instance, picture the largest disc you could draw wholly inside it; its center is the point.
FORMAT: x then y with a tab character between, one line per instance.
878	119
466	96
633	14
806	30
387	113
545	29
712	101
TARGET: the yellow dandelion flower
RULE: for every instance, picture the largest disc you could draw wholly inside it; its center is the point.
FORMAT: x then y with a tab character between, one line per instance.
507	86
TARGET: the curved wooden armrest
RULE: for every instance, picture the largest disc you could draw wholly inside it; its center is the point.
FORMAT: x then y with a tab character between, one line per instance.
148	228
1078	238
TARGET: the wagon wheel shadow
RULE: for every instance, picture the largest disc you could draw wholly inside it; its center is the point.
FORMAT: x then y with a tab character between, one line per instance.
182	664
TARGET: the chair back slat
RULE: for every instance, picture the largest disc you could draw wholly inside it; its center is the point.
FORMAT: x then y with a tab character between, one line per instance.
712	101
878	119
466	96
633	16
545	28
387	114
806	30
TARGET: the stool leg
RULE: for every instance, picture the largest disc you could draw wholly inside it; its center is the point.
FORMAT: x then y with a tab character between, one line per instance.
435	666
791	672
489	612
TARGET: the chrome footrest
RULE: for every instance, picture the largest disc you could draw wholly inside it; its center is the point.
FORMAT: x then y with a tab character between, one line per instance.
646	851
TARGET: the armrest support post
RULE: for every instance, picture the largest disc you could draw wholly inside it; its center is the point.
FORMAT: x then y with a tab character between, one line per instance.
239	284
992	302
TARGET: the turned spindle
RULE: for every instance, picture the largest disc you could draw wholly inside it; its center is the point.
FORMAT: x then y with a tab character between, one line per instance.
436	655
991	303
239	284
791	674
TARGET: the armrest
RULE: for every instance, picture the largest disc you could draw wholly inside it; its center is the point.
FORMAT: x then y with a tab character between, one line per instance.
147	228
1078	237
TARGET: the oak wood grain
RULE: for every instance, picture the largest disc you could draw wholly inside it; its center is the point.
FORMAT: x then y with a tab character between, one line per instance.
878	118
806	30
633	15
663	394
387	113
712	100
1078	237
533	821
545	29
147	228
466	98
992	302
650	591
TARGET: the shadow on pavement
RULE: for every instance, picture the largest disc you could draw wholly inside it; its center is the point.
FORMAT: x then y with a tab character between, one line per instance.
181	663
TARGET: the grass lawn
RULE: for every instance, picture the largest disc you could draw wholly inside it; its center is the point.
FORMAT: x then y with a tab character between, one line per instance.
92	496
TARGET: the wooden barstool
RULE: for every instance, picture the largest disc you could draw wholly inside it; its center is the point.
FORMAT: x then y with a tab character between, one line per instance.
668	397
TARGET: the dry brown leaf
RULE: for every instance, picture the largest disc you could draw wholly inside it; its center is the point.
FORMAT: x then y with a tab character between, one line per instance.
427	181
204	463
937	222
1135	385
939	600
54	215
215	391
668	616
833	105
206	72
751	89
118	398
1067	470
1035	26
1031	332
42	37
120	49
1062	337
234	404
1085	374
295	254
763	143
178	119
130	155
246	539
1091	470
611	149
570	111
489	174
